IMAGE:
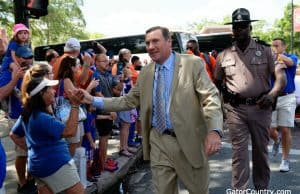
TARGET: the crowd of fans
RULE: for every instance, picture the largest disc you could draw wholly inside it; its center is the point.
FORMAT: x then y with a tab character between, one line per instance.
32	93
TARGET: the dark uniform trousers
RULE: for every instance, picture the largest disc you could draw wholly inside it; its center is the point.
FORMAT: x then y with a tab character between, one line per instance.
244	121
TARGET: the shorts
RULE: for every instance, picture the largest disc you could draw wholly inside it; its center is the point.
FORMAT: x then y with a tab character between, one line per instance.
284	114
104	126
125	116
4	124
19	151
78	136
62	179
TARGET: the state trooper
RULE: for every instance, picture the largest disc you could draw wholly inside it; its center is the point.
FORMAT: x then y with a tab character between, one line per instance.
242	74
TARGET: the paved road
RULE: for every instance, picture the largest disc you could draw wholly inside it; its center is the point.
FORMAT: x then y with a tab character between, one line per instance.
220	165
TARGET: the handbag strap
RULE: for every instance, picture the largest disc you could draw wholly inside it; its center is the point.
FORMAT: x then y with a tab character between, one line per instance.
60	93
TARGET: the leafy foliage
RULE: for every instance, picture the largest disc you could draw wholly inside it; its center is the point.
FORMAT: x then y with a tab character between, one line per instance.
64	20
263	30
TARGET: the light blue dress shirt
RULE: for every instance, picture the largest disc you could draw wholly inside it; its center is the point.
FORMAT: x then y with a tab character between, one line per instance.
168	77
169	65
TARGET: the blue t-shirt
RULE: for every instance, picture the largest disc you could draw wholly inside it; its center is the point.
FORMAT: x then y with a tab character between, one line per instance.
290	73
18	128
47	151
14	103
12	46
89	127
2	165
106	81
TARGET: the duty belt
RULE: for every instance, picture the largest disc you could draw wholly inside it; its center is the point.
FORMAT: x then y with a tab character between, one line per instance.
247	101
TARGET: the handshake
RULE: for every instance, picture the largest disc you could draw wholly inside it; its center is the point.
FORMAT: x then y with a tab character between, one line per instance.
79	96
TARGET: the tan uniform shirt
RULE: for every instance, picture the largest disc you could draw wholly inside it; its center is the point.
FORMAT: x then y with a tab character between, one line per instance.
247	73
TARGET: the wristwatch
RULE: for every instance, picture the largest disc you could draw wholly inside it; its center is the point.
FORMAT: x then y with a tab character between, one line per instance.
219	131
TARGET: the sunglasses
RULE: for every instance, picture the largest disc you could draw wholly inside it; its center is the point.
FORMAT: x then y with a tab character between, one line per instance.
29	57
240	26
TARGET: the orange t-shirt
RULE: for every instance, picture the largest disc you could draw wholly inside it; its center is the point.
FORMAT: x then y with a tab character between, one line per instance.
209	70
134	74
114	69
77	78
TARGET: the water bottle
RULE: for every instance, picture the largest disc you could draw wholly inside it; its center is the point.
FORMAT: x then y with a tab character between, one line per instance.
80	162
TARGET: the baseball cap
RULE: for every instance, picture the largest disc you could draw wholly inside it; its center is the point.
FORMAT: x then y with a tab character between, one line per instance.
44	83
24	52
19	27
72	45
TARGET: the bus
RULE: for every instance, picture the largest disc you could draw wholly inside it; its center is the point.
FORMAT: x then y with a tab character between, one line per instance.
214	41
135	43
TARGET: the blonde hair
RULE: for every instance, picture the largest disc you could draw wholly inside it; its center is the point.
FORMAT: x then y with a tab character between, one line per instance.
36	71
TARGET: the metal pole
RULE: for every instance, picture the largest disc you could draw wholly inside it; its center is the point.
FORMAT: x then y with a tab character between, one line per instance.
292	31
20	12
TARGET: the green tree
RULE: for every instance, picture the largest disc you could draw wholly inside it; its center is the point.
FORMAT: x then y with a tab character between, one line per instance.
64	20
283	28
262	30
6	14
198	26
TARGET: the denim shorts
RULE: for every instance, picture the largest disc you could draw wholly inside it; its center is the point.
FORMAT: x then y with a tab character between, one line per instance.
125	116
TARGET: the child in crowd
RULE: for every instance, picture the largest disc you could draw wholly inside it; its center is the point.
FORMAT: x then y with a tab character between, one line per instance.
20	38
124	121
104	126
88	141
126	77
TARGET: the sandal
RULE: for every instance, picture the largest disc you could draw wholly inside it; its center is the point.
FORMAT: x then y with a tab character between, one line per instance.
125	153
132	150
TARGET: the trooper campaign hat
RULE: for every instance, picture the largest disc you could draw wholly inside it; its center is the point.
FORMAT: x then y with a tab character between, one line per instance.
241	15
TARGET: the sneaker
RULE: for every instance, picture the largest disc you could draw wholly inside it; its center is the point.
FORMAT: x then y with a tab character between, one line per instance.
110	168
27	188
284	166
275	149
89	183
111	162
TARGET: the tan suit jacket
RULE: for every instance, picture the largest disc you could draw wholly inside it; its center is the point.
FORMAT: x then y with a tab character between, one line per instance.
195	106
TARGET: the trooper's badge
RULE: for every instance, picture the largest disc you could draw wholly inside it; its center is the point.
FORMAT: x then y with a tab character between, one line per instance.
258	53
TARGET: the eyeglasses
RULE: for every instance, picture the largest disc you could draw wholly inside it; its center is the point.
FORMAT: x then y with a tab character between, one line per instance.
104	61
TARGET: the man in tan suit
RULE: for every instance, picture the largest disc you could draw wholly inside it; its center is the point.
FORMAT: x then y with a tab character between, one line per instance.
179	142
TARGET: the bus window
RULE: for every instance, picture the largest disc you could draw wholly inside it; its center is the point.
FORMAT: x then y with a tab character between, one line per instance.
214	41
136	44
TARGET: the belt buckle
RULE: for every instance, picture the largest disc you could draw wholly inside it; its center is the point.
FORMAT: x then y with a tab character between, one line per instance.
248	101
